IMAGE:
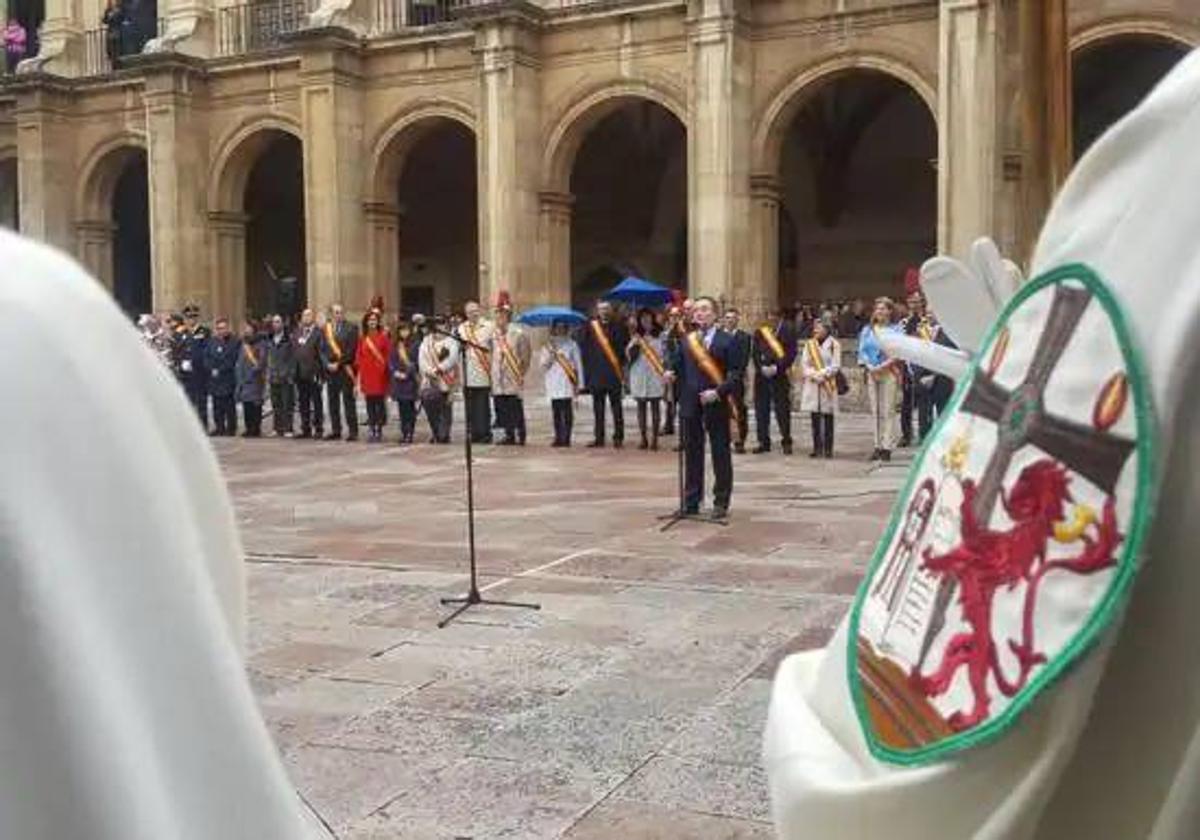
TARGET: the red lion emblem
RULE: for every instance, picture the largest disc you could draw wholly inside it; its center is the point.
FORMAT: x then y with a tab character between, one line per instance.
986	560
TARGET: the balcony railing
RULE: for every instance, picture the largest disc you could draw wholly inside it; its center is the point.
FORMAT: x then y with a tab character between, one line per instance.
103	48
259	26
391	16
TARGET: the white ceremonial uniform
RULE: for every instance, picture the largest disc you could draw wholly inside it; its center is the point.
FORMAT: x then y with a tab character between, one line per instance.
644	382
125	712
439	371
558	384
815	397
1111	750
477	365
505	382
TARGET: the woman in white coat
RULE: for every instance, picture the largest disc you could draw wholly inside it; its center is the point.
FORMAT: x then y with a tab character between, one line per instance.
562	366
646	352
820	361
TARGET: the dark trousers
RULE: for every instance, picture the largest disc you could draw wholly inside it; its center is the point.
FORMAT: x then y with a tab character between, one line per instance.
252	417
377	412
312	413
564	420
407	409
713	421
439	411
613	397
774	393
822	434
197	393
225	415
743	417
510	415
479	414
668	427
340	391
655	409
909	399
283	397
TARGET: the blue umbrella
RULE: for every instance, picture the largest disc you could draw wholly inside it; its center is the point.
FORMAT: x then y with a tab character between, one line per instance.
641	292
544	316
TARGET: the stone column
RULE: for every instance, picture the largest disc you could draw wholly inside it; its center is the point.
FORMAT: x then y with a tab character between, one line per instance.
979	160
228	236
189	27
176	154
334	165
555	238
46	164
95	249
765	197
383	231
61	50
719	151
508	149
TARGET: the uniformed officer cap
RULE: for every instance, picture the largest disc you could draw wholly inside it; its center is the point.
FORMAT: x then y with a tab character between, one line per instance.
191	310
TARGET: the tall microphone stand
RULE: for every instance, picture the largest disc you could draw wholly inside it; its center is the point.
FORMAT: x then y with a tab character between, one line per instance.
473	597
680	514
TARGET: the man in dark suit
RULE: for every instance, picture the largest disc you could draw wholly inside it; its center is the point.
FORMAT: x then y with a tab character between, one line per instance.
743	343
707	367
925	391
191	347
339	344
220	360
774	353
602	342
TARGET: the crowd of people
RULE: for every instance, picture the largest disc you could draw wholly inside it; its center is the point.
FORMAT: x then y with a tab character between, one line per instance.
317	365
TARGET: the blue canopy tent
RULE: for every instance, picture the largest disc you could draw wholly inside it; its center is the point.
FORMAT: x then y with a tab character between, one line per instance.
639	292
545	316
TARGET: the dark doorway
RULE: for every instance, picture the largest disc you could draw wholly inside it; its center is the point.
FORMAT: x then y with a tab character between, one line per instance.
1109	79
30	14
859	190
131	240
629	181
275	246
439	221
10	203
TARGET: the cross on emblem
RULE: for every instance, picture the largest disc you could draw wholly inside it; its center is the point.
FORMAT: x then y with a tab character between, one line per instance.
1021	419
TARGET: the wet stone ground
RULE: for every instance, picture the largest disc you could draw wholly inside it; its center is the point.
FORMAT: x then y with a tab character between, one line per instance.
629	706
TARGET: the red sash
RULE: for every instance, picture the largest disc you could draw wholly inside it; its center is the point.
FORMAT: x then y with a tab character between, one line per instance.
607	349
374	350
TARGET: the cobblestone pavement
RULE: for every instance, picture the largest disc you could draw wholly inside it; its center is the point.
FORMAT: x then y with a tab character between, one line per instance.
629	706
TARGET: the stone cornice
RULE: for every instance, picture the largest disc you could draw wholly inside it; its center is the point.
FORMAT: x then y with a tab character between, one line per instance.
323	38
506	11
850	20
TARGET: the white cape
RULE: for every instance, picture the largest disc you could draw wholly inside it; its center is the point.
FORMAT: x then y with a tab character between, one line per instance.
1112	751
125	711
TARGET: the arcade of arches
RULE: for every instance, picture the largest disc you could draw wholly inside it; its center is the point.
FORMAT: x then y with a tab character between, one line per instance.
795	151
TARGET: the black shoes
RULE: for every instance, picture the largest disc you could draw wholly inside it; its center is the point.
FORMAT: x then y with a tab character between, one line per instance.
786	447
720	513
333	436
761	448
596	444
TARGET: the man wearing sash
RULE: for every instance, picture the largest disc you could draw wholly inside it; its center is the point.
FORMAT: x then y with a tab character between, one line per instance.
220	360
251	376
926	391
563	368
339	346
477	372
604	372
438	360
744	343
510	362
774	353
707	369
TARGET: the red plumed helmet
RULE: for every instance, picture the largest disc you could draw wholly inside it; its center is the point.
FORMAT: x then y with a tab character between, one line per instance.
377	303
912	281
504	300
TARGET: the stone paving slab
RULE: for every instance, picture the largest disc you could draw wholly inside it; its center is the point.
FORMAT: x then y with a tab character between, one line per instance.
631	705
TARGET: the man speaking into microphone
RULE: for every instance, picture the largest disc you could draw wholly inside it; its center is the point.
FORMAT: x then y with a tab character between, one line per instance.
709	371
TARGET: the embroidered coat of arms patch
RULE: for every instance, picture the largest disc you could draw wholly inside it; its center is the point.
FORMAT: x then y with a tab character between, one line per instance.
1017	535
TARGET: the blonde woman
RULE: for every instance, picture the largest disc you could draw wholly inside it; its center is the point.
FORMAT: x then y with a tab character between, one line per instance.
882	377
820	363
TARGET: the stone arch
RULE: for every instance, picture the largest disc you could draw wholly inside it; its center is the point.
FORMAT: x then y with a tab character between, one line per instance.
235	158
1134	27
391	147
775	120
572	124
100	172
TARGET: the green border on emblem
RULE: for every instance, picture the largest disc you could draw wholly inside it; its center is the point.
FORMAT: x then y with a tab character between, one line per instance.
1114	598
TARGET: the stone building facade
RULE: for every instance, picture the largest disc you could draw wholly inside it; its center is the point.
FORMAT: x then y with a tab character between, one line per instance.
436	150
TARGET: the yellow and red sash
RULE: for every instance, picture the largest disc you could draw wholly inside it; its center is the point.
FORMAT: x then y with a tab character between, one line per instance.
709	366
567	368
890	364
333	342
814	355
772	341
481	355
652	357
510	360
607	349
374	350
924	331
248	352
402	353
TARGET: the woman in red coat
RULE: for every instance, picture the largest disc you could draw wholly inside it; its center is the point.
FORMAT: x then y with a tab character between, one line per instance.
372	363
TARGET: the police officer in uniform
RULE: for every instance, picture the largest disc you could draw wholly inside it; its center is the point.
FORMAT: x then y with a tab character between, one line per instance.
191	343
774	353
221	360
